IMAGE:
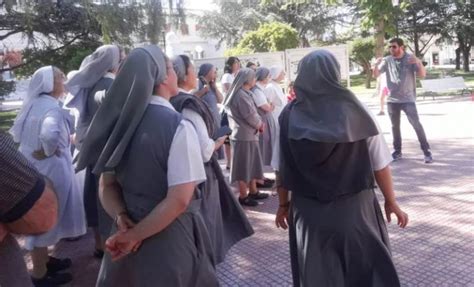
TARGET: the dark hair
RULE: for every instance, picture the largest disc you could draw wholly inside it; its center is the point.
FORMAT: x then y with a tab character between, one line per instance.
250	64
187	63
229	63
398	41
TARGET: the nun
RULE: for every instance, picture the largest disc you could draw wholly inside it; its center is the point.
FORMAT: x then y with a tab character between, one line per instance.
225	219
264	109
150	161
338	236
42	130
88	87
209	93
231	68
277	98
208	90
246	124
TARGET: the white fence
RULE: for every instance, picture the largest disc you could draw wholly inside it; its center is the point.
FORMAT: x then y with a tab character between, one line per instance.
288	59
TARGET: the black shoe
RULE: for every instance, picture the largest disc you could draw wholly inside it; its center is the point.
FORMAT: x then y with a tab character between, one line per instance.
381	113
55	265
396	155
52	280
268	180
248	201
266	184
258	195
428	157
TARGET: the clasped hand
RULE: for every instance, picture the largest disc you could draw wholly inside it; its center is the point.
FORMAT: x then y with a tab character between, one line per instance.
124	241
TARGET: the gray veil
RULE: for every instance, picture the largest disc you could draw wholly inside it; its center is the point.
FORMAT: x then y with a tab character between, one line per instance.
122	110
243	76
324	110
93	68
262	73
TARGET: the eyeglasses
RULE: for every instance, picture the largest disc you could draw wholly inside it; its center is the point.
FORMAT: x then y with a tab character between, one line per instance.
392	47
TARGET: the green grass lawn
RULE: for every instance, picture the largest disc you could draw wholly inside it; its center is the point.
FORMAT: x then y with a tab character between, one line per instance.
358	81
6	120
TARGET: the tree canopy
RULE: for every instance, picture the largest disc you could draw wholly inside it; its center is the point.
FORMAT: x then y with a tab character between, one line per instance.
269	37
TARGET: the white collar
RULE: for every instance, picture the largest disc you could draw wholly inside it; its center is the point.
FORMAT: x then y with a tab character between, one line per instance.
160	101
184	91
260	86
109	75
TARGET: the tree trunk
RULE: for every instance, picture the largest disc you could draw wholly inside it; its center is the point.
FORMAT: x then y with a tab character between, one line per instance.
465	56
368	75
416	38
458	58
379	38
368	79
417	46
304	42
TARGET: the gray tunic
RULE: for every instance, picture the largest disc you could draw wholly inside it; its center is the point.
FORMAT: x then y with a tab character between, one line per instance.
95	213
244	122
268	137
225	219
179	255
337	232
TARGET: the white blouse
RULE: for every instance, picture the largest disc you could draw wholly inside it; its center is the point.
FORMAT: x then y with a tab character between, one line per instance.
184	161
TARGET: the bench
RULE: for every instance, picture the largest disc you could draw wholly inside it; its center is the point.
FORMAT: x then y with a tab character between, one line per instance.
435	86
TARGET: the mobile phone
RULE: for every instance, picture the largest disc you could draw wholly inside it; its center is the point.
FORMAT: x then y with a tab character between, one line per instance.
222	131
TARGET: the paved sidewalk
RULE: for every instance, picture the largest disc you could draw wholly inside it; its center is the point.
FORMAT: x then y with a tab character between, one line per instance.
436	249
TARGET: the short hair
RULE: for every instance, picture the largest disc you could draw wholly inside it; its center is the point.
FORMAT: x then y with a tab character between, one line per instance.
250	64
229	63
398	41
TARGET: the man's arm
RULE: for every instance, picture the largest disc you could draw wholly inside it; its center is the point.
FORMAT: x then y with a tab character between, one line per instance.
28	203
420	69
421	73
41	217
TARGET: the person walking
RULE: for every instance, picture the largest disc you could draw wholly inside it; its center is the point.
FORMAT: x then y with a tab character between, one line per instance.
337	232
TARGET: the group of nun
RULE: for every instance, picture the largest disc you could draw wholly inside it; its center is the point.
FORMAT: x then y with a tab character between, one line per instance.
254	100
146	135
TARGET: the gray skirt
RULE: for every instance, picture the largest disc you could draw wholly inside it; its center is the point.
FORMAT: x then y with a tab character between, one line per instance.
246	161
225	219
267	138
179	255
340	243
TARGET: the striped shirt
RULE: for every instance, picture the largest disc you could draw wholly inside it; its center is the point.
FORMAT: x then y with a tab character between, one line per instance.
21	185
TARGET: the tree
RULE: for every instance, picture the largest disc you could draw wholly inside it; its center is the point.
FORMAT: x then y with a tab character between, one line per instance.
229	24
421	22
118	23
269	37
362	52
311	19
64	32
459	25
49	28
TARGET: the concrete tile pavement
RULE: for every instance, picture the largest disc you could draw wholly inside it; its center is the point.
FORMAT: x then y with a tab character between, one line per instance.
436	249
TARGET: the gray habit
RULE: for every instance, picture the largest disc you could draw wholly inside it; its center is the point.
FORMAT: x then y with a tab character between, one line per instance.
244	121
337	232
134	138
225	219
266	138
179	255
